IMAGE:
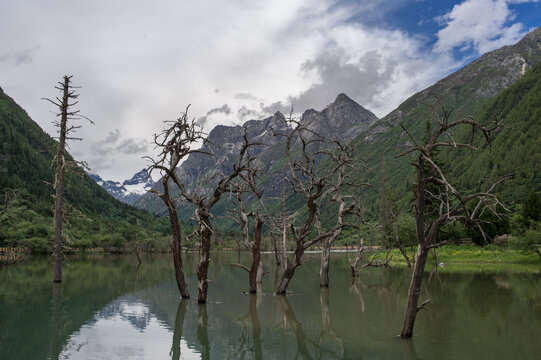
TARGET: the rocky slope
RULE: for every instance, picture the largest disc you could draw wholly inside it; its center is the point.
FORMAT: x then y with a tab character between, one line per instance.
343	119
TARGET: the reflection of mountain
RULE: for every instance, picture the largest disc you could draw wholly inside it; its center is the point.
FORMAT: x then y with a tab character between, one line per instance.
127	308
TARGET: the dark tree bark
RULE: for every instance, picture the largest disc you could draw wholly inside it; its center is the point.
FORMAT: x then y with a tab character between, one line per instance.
175	141
59	185
65	113
176	244
453	206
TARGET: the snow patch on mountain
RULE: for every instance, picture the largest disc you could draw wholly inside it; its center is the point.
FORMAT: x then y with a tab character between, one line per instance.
128	191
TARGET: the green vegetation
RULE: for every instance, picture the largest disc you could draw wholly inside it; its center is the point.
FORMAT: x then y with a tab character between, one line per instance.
93	219
467	258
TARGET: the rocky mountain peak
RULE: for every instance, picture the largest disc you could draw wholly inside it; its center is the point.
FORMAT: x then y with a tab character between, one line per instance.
128	191
342	119
342	98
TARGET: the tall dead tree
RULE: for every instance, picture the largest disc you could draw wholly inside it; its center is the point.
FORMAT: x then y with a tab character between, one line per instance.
452	206
238	191
205	201
175	142
307	182
66	113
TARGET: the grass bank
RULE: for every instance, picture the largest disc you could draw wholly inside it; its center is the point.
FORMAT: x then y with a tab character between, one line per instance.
471	258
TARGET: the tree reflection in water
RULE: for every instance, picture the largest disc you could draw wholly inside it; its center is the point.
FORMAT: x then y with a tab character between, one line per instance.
253	318
202	331
179	326
327	330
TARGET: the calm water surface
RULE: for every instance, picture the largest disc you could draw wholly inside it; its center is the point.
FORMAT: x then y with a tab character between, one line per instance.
109	308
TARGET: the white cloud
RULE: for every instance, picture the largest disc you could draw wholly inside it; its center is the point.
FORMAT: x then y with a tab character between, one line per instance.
483	25
142	62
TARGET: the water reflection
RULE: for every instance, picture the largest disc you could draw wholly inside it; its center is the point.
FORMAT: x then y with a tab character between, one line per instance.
327	331
202	331
175	352
245	347
107	309
290	319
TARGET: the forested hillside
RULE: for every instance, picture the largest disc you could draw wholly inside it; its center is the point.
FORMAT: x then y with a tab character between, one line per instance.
95	218
471	91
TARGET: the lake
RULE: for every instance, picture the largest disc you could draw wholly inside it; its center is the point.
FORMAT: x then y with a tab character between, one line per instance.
108	307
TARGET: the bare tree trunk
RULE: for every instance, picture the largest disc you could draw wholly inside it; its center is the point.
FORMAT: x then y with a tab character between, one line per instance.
202	270
59	184
422	253
413	293
324	269
256	257
176	245
275	250
285	279
353	263
179	266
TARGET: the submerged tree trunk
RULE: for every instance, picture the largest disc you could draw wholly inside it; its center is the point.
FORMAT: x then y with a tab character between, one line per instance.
59	184
324	269
256	271
413	293
422	253
277	258
285	279
289	271
176	245
202	270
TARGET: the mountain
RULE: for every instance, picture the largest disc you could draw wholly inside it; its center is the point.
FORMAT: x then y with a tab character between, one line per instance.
128	191
466	92
343	119
93	217
473	90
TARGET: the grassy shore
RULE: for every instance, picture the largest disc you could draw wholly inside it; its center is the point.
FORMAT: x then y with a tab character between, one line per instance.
471	258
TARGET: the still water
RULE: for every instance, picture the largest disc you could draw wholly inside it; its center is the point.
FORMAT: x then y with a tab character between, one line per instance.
109	308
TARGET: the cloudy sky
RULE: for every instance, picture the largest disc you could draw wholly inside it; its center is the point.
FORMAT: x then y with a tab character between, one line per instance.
141	62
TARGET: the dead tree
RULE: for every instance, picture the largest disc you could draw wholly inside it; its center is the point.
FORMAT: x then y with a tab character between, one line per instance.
247	186
204	203
347	205
279	229
306	182
453	205
175	143
65	105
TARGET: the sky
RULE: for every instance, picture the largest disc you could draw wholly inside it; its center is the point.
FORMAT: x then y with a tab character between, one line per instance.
141	62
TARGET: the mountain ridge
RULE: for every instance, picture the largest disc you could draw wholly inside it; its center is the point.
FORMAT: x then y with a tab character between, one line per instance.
130	190
342	119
